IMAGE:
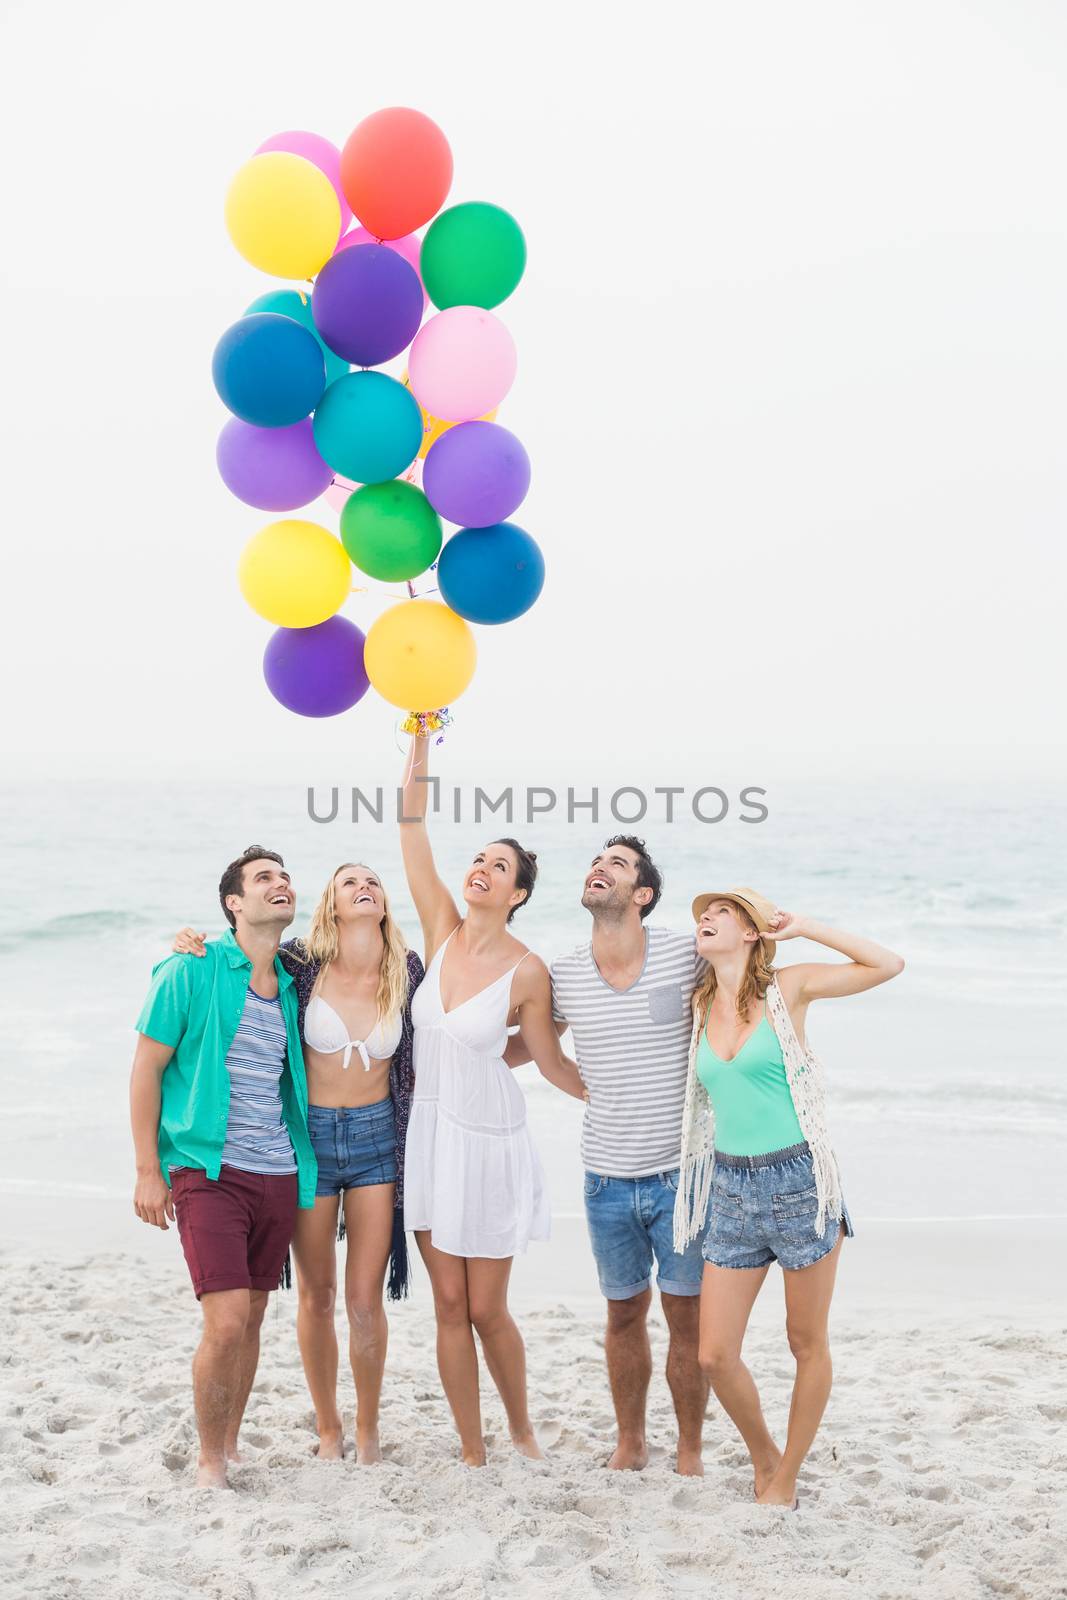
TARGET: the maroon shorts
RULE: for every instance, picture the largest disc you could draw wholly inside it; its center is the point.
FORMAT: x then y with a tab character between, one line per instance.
235	1229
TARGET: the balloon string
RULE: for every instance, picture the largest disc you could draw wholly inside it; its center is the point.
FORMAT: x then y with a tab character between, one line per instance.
394	594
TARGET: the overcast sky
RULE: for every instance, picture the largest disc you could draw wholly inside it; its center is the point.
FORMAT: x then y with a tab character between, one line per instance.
791	373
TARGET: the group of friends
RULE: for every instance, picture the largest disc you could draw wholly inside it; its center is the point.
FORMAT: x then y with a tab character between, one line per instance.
287	1093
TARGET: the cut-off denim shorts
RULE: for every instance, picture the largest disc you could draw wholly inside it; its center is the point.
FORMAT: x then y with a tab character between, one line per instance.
763	1209
354	1145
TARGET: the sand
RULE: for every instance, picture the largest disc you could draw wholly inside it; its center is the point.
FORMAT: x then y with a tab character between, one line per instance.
941	1468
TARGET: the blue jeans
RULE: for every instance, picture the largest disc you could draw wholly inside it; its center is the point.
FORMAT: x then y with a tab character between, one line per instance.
631	1222
764	1209
354	1145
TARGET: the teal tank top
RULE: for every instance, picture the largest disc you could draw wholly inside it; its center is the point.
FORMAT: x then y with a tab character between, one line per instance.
754	1111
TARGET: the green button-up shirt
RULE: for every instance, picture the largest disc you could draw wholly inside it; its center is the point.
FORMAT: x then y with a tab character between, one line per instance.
195	1005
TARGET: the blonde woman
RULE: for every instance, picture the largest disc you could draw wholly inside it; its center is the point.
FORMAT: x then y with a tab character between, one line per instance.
755	1148
355	977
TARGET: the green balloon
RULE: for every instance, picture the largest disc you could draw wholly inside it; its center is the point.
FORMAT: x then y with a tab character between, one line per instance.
472	255
290	303
390	530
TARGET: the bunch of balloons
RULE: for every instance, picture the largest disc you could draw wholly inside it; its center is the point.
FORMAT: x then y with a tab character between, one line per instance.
312	414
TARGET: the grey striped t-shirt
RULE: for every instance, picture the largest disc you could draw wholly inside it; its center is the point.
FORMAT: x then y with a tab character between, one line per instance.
632	1049
257	1139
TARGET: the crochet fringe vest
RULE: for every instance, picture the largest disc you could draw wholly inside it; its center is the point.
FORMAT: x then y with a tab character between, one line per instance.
804	1075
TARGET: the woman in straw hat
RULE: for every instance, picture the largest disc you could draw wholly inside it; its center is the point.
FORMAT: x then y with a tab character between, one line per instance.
755	1149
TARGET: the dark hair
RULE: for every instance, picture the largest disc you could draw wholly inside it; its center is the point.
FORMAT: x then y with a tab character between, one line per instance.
233	879
648	874
525	870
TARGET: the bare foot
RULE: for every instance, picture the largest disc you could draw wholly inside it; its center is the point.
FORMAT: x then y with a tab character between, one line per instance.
331	1446
212	1475
474	1455
764	1470
780	1491
368	1449
629	1457
690	1463
527	1445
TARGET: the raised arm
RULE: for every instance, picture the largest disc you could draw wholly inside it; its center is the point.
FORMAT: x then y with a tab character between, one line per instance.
532	994
152	1198
436	908
867	964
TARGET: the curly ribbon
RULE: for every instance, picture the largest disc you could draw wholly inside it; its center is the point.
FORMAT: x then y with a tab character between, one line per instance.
424	723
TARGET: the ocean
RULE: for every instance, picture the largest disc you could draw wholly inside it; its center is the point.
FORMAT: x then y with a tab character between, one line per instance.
948	1096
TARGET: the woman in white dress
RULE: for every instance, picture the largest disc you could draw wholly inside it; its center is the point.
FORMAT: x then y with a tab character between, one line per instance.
474	1188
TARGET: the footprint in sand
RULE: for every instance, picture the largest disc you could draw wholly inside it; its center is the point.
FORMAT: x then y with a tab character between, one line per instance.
58	1422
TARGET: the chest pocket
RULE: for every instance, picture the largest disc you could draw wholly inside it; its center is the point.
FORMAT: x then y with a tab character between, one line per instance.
666	1003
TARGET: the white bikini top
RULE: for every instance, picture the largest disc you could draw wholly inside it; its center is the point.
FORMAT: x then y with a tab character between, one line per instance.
325	1031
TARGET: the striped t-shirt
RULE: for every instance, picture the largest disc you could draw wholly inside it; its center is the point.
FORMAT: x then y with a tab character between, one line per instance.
632	1049
257	1139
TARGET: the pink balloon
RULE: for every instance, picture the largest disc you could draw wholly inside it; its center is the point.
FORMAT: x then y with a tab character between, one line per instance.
321	153
408	247
462	364
336	493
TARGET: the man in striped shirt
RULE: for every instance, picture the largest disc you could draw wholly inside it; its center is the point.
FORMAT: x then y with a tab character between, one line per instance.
626	997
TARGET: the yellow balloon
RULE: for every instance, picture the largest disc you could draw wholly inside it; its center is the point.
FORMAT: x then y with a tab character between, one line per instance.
419	655
295	573
283	215
434	427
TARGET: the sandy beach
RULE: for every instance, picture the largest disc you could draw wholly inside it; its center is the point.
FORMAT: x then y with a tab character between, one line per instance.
940	1469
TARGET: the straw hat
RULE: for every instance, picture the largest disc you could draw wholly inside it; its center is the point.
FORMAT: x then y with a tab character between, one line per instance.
759	908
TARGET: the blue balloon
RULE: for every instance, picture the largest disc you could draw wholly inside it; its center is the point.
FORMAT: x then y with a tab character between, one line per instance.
491	574
290	303
368	427
269	371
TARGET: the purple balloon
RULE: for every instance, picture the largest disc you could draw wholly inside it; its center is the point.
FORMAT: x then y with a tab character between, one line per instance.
367	304
276	469
476	474
316	672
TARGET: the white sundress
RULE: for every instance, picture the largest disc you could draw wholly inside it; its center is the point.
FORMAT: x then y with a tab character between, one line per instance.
471	1173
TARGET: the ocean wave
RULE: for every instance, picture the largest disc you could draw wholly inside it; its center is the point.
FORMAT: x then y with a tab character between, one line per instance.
76	925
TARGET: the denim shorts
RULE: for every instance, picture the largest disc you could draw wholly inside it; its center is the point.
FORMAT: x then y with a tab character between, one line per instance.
763	1209
354	1145
631	1222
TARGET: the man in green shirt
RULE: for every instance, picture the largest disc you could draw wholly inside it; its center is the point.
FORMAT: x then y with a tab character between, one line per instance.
218	1102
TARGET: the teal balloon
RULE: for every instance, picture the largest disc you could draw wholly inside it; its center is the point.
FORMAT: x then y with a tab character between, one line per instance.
288	303
368	427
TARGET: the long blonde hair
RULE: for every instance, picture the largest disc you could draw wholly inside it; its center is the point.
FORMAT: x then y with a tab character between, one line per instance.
757	979
323	943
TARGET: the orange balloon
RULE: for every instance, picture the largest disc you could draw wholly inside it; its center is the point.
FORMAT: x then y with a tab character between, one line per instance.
396	171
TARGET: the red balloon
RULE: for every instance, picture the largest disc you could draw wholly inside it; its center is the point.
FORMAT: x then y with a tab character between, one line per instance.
396	171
